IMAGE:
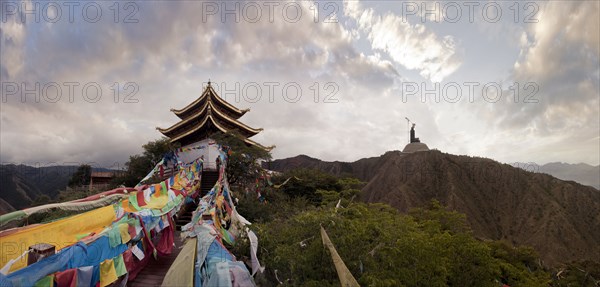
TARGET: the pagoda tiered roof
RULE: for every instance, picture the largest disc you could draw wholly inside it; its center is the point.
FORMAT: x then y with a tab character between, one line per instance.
205	116
209	95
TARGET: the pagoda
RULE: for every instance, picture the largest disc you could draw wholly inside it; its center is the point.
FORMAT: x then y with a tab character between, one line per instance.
208	115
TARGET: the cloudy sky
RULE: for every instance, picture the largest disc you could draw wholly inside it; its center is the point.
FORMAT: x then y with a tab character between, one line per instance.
514	81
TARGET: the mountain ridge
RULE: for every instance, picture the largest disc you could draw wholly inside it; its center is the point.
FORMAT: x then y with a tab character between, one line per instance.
582	173
560	219
22	184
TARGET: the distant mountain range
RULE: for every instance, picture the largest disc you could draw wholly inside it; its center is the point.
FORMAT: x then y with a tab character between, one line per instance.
20	185
560	219
582	173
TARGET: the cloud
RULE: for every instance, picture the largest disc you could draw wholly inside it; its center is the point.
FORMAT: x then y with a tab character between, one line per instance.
561	56
558	70
360	61
412	46
167	54
12	35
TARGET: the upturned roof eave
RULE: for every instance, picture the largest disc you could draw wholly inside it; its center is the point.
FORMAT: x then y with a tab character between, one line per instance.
199	126
209	92
209	106
220	128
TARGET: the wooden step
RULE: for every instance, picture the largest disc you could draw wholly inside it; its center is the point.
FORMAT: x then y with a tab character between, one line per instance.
154	273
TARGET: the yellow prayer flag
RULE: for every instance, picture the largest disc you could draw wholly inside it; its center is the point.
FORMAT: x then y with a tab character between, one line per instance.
124	230
108	273
346	278
181	272
61	234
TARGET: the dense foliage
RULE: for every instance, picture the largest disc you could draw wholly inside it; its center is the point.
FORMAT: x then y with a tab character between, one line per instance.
583	273
81	176
140	164
243	166
430	246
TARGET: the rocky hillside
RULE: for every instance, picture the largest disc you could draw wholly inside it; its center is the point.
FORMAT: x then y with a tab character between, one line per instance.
22	184
363	169
5	207
560	219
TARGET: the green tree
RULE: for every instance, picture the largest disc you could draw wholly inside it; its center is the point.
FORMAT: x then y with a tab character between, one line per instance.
140	165
434	215
519	266
81	176
580	273
431	246
380	246
72	194
243	163
41	200
155	150
311	184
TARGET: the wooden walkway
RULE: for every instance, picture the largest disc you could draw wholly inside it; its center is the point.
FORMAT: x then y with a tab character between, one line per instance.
155	271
